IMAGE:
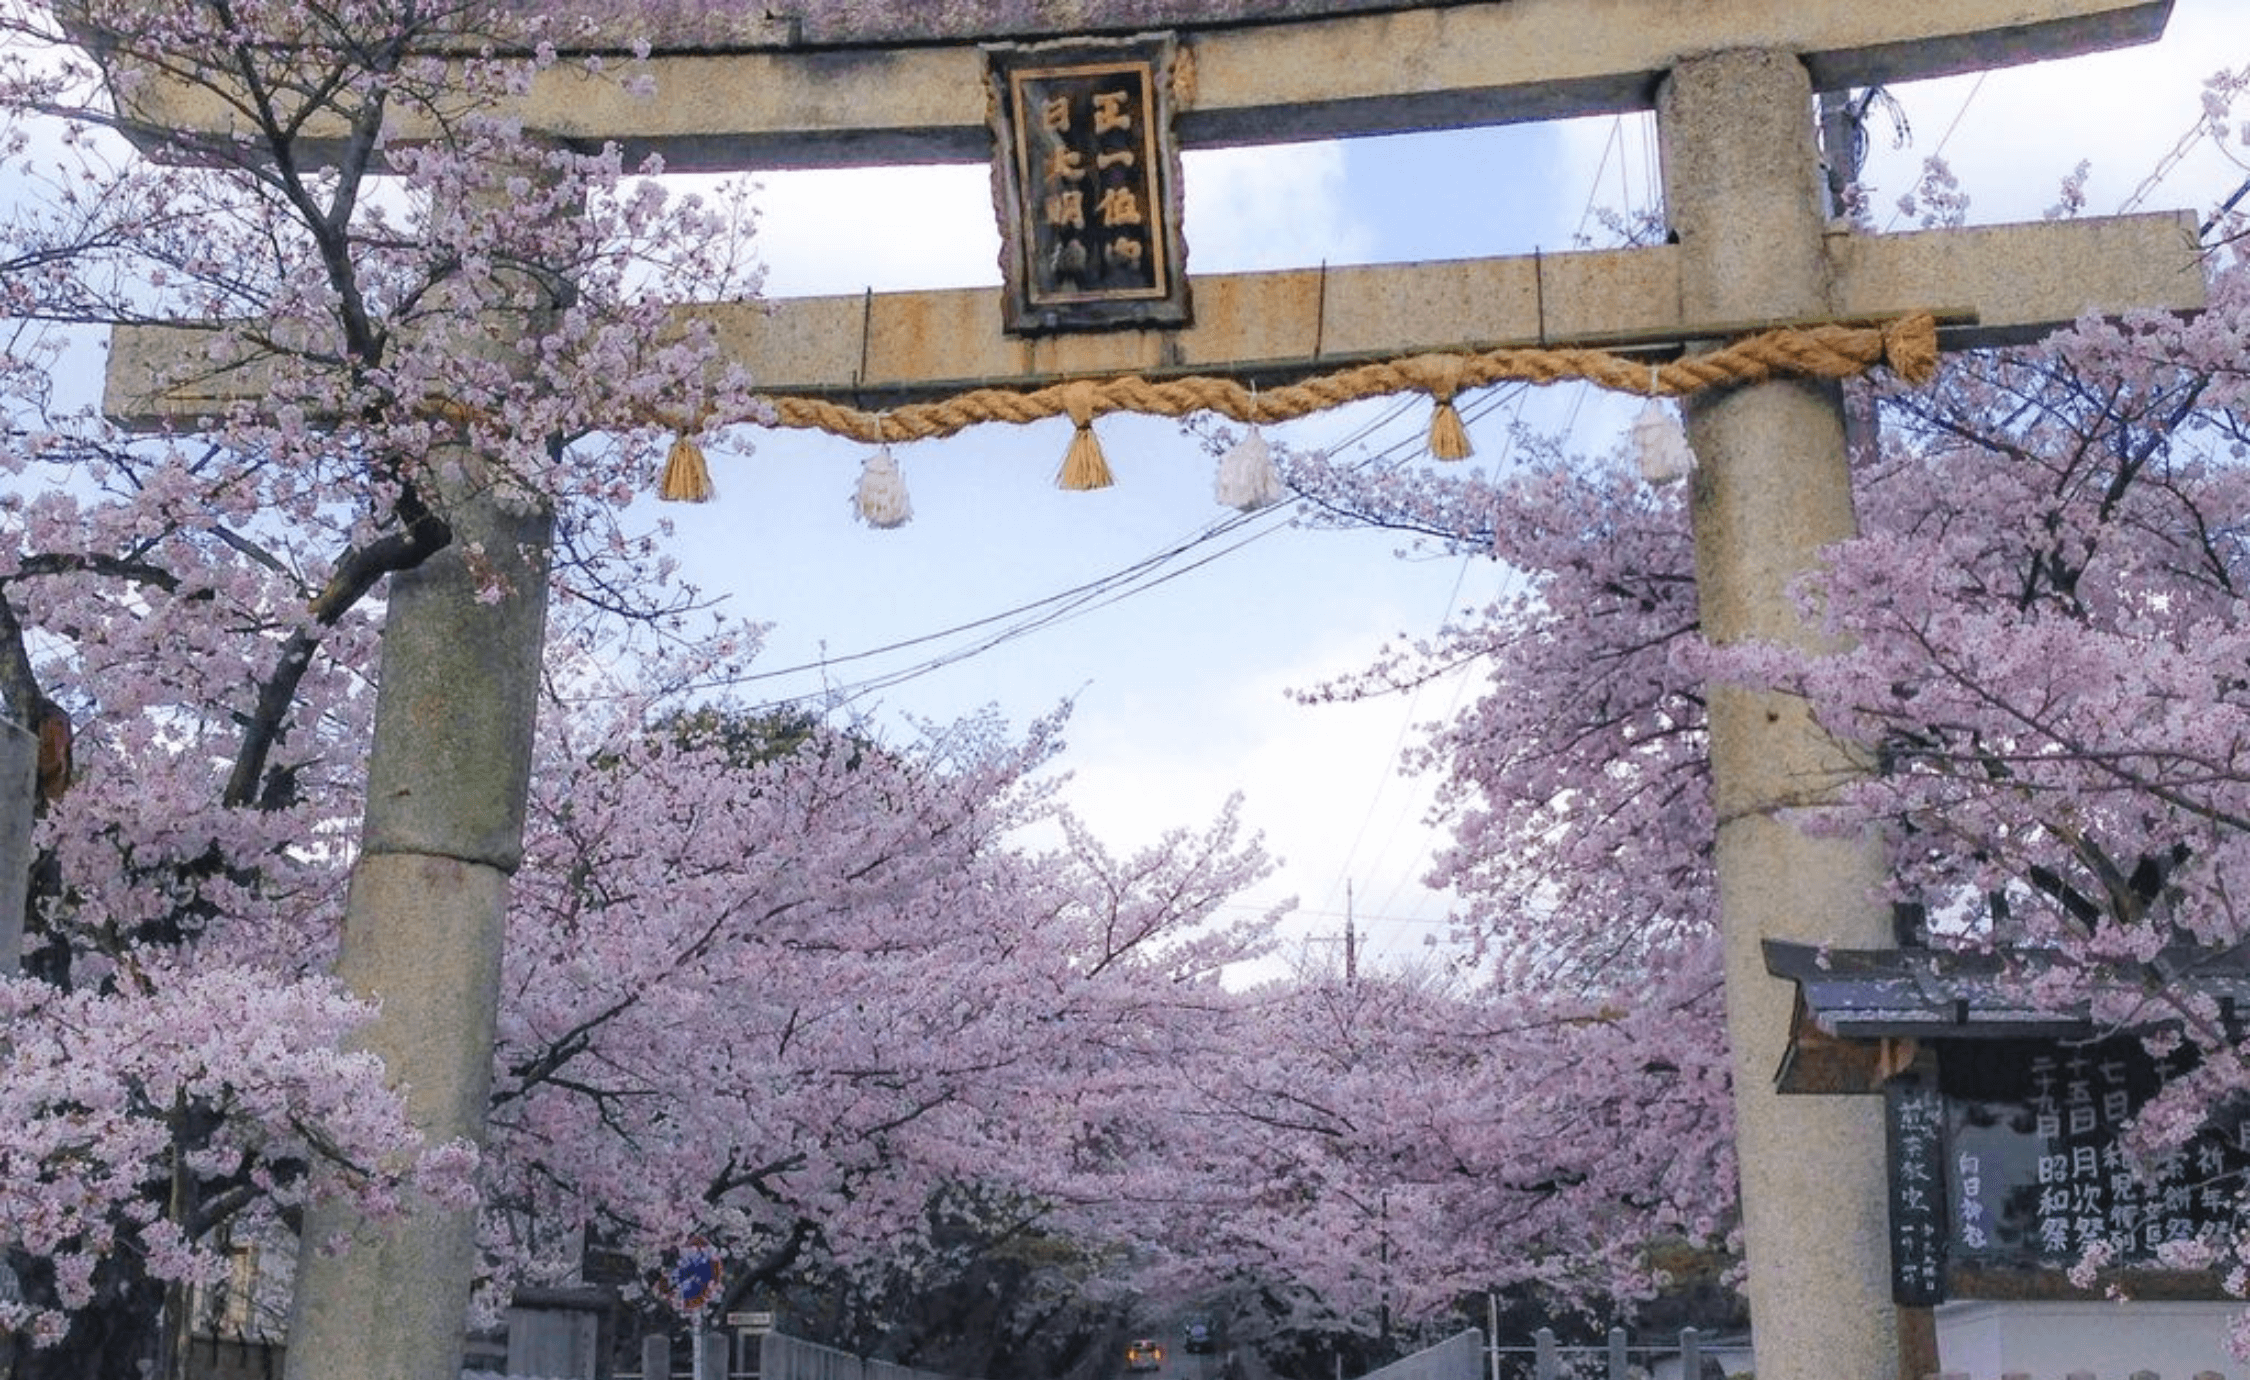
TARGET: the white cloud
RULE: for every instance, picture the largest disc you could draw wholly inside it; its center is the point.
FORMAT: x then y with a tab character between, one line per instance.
1150	752
845	230
1270	207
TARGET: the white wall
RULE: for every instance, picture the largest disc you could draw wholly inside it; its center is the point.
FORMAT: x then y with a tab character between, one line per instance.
2047	1341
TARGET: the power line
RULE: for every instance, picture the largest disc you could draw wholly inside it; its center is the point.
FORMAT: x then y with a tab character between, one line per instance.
1947	137
1022	620
1038	612
1513	401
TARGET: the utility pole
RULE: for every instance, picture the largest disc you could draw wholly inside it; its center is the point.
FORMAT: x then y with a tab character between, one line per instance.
1351	940
1492	1334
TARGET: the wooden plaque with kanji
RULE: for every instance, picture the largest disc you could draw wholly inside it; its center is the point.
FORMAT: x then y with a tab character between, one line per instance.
1087	176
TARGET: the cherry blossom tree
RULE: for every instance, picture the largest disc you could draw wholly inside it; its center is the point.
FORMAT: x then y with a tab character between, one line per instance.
787	1005
1576	791
2041	640
787	997
202	606
1401	1140
792	1050
2047	678
810	997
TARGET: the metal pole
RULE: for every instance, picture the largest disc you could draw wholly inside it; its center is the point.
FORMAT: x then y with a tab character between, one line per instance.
1617	1358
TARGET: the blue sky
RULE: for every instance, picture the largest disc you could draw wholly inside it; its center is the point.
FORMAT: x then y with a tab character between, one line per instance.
1180	688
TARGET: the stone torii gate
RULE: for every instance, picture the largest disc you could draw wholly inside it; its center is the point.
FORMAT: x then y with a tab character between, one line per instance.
1732	83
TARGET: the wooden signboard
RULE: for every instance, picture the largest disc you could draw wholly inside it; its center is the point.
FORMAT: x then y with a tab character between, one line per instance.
1914	1119
1088	181
2016	1161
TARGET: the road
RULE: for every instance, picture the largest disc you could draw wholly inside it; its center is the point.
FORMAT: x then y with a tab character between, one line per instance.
1178	1363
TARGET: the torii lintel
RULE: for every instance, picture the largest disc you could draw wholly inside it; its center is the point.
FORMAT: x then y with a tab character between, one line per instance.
1996	285
846	85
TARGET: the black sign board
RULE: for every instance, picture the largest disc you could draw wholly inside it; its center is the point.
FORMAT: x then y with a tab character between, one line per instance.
1914	1122
1089	185
2038	1168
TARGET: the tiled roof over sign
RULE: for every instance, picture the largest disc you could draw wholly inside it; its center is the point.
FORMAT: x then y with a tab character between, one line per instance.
1866	994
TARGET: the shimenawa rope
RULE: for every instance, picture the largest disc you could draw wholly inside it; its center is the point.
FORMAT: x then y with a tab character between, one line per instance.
1908	346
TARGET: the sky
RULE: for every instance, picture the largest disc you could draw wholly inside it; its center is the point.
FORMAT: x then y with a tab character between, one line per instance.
1179	678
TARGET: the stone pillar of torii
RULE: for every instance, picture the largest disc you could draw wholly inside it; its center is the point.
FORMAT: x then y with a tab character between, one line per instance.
1733	84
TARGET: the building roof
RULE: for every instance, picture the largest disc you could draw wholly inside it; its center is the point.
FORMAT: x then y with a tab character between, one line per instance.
1869	994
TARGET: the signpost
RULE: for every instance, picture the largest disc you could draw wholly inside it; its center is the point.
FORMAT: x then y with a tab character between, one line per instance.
1914	1115
2008	1151
695	1283
696	1278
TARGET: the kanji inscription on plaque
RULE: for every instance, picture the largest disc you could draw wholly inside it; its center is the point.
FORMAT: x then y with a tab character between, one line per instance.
1914	1116
1087	175
2037	1138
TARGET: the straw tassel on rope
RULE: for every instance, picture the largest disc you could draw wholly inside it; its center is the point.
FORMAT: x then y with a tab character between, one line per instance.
1659	440
1661	444
1441	375
1449	439
1084	466
687	478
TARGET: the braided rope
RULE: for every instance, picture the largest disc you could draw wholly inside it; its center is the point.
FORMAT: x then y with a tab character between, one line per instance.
1907	346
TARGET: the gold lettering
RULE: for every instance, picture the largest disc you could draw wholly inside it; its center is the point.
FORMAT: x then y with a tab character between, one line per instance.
1111	111
1066	165
1117	158
1119	206
1055	114
1067	209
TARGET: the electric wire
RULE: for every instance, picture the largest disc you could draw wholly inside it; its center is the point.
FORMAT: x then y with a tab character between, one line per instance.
1975	90
1390	445
1513	400
1022	620
1652	173
2163	169
1615	141
1152	571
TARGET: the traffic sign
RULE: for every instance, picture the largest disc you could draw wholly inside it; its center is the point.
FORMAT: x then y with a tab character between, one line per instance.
696	1277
